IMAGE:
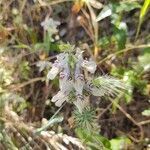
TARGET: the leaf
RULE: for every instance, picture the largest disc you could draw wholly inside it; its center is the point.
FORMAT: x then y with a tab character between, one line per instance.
146	50
143	12
120	143
127	6
104	42
106	11
144	9
93	140
50	123
120	35
144	61
146	112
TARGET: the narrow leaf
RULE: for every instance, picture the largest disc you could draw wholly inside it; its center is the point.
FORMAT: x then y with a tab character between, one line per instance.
143	12
106	11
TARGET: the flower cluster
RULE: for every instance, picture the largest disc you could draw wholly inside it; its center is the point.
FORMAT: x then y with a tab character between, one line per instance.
73	82
50	25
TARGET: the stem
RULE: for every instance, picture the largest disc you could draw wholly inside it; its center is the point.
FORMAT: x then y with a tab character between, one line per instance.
17	87
131	119
95	27
51	121
144	122
138	29
122	51
42	3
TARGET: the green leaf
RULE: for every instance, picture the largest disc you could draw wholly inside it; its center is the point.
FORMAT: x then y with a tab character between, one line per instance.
93	140
50	123
143	12
127	6
146	50
104	42
144	9
120	143
120	36
144	61
146	112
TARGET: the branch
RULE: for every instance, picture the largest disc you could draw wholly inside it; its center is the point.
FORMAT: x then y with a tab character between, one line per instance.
18	86
132	120
122	51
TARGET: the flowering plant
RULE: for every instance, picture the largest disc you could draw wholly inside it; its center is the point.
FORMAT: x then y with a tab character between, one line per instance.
76	79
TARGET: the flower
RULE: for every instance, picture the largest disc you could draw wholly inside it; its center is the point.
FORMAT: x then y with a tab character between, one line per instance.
61	61
53	73
64	83
43	64
78	75
50	25
79	80
89	65
72	80
59	98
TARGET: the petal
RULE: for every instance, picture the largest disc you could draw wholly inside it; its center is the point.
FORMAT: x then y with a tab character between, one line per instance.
59	98
53	73
60	102
43	64
89	65
65	85
79	79
79	54
78	85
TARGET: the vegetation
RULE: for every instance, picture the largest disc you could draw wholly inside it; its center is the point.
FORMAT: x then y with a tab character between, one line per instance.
74	74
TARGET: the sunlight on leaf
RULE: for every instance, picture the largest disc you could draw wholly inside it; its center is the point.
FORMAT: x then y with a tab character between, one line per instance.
120	143
146	112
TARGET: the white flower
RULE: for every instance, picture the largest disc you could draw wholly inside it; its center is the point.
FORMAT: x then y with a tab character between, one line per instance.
43	64
72	80
89	66
53	73
59	98
79	77
61	61
50	25
64	83
79	55
62	95
79	83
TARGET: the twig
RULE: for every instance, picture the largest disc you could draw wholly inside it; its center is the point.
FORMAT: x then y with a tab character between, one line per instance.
42	3
131	119
105	109
122	51
17	87
95	27
38	131
144	122
22	7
